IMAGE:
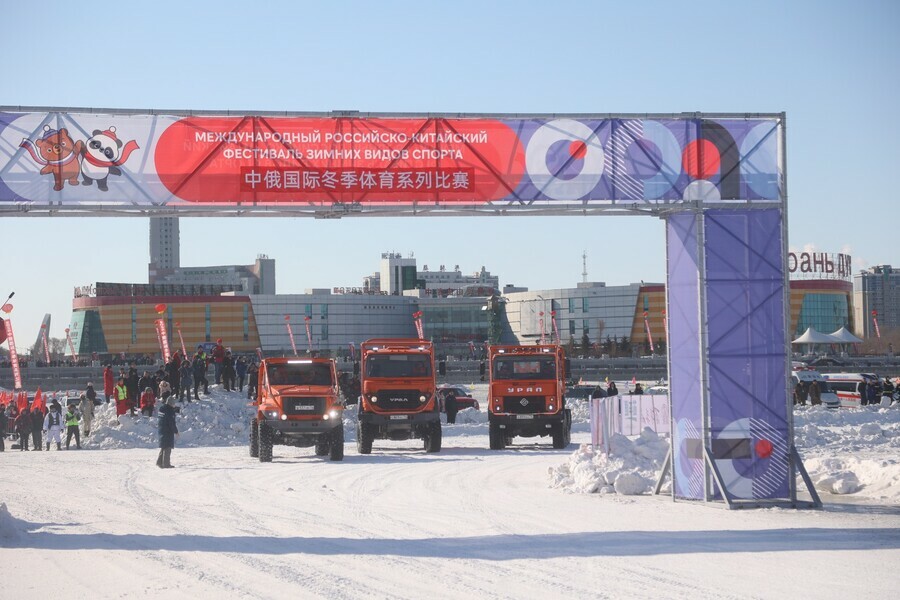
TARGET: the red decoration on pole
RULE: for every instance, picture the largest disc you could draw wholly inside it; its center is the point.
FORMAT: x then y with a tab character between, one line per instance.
13	355
649	335
181	339
287	323
71	345
307	319
553	321
875	320
161	333
417	319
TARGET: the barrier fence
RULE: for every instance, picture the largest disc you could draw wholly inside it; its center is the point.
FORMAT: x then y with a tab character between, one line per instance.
628	414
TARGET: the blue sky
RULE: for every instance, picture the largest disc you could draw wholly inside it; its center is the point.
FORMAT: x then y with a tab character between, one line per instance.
832	66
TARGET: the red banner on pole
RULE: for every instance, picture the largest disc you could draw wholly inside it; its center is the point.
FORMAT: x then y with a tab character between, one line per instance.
553	321
649	335
417	319
71	345
46	345
287	323
163	339
308	332
181	339
13	355
875	321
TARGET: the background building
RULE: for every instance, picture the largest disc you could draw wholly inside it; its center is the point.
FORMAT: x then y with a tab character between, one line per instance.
876	289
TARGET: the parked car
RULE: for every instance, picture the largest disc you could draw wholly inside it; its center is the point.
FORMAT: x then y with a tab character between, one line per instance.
463	399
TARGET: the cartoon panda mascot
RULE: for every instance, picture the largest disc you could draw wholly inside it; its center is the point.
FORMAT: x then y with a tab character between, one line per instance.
102	155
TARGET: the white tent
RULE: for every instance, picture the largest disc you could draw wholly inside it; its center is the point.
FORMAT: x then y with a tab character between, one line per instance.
845	337
811	336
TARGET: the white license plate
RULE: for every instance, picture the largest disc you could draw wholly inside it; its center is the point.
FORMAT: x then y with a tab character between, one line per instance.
398	417
524	416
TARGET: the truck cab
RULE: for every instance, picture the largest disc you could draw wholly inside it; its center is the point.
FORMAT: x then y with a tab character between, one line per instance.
527	395
297	404
397	399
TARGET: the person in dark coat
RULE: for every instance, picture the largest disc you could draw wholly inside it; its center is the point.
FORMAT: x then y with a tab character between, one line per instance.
815	395
199	366
23	428
168	430
611	389
241	367
91	394
186	377
451	407
131	385
172	375
598	392
638	389
228	372
37	426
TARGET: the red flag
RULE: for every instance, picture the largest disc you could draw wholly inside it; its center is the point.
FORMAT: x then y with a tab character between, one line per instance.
38	403
22	402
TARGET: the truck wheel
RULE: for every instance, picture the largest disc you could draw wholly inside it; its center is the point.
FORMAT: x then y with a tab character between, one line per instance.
495	437
433	439
254	439
337	443
559	435
364	439
265	442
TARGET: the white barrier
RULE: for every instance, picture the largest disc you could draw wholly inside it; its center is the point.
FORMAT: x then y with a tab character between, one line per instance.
628	414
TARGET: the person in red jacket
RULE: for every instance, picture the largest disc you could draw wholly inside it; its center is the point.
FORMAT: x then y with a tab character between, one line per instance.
148	401
218	356
109	383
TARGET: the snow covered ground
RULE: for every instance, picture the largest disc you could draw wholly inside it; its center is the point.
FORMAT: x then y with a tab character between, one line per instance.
465	523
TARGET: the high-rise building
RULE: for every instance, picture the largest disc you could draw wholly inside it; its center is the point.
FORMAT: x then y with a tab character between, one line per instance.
165	251
876	296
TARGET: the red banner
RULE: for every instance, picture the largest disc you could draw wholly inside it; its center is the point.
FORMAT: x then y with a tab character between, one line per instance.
71	345
308	332
13	356
649	335
417	319
46	346
287	324
163	339
181	339
261	159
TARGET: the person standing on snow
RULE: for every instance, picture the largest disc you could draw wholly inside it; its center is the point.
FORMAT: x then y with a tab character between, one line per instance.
241	368
109	382
53	425
252	380
72	418
815	394
168	430
148	401
228	372
120	393
186	376
91	394
218	356
199	366
37	422
87	412
23	428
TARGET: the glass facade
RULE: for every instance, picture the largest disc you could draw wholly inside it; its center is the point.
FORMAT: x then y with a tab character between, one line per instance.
823	312
455	323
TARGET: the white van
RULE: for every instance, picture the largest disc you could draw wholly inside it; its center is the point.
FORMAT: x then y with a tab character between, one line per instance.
829	398
848	385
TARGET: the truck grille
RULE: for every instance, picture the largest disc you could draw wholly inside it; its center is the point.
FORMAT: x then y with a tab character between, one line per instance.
398	399
523	404
303	406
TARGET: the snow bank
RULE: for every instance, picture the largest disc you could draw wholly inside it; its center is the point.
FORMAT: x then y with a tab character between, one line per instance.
631	467
846	451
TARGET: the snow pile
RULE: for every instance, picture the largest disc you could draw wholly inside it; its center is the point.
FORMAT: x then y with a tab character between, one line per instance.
630	468
220	419
845	451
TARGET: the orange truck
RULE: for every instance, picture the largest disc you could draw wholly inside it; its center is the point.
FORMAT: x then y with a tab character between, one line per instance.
297	404
398	400
527	395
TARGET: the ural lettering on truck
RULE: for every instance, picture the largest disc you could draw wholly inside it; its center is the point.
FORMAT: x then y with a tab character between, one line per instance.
527	395
397	399
297	404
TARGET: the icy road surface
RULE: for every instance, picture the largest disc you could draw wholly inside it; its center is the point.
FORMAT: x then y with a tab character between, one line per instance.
399	523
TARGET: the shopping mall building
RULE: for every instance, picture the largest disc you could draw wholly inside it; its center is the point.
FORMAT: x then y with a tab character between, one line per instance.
459	311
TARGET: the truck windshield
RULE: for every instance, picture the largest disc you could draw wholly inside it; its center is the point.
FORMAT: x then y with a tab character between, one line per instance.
300	374
398	365
524	367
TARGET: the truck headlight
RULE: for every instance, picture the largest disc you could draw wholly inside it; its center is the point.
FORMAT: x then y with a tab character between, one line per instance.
284	417
333	414
422	398
373	398
273	414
